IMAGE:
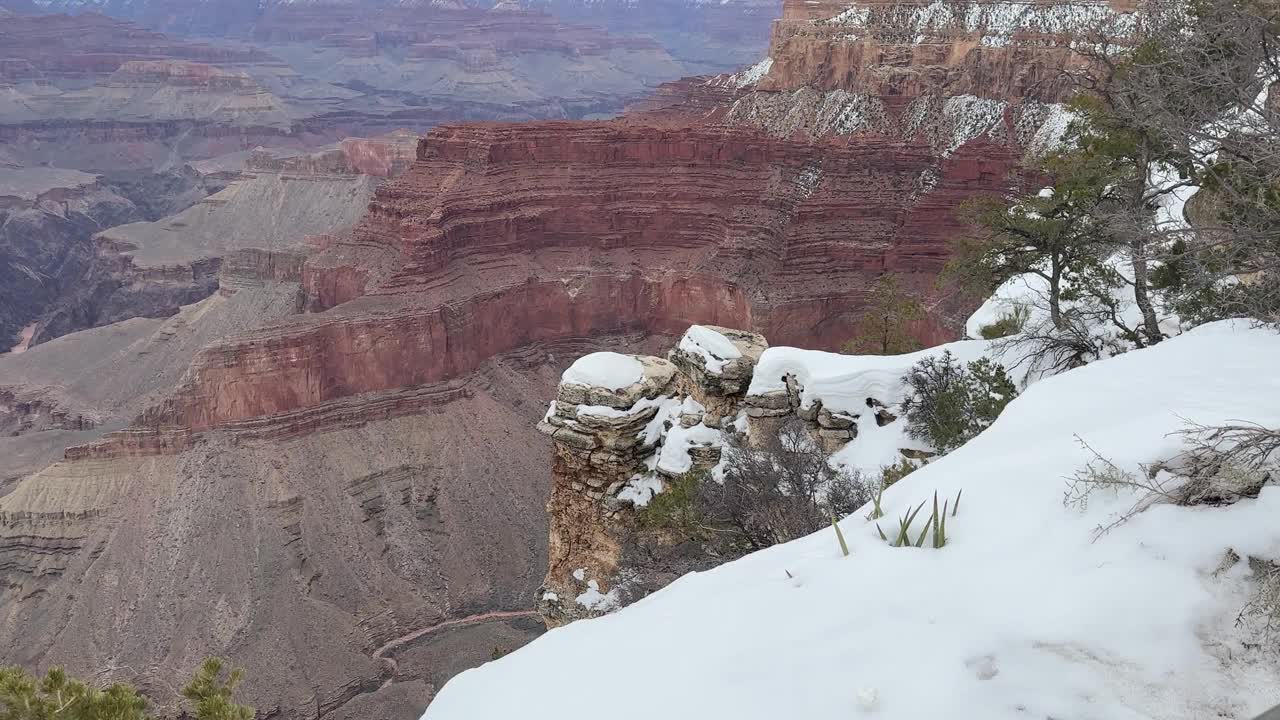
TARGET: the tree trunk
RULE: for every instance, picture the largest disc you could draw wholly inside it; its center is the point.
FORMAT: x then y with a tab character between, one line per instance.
1055	293
1141	293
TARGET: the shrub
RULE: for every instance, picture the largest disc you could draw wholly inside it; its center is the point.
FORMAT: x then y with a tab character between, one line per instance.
1009	323
951	403
676	507
779	491
1262	612
57	695
891	474
885	325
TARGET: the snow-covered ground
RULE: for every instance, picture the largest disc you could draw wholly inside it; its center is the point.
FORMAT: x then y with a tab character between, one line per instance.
1024	615
609	370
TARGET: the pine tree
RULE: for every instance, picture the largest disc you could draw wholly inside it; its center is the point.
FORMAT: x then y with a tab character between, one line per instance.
886	322
211	694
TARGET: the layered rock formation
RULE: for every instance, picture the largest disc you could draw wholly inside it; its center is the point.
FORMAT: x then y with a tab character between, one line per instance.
47	217
280	207
96	93
707	37
336	485
614	447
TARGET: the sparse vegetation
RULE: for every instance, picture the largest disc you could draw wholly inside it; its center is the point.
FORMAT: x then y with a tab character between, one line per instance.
211	692
887	322
676	507
937	522
1262	612
58	695
1010	322
891	474
1219	466
779	491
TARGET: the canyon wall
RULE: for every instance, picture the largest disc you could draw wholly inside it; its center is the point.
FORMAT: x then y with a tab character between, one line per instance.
364	449
47	218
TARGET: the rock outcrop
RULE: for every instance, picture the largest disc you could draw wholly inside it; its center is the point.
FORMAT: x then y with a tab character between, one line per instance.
615	447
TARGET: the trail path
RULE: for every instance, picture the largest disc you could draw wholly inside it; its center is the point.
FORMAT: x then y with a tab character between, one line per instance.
393	666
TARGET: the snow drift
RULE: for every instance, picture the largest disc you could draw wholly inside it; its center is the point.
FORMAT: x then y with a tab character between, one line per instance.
1023	615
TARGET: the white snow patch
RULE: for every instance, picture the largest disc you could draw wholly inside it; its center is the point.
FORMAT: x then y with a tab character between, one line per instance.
844	382
674	457
668	411
716	349
1022	615
640	489
641	405
593	599
753	74
608	370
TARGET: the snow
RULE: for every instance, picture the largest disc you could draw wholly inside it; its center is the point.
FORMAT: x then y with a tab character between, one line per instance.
640	406
640	489
844	382
1029	292
753	74
998	23
593	599
673	458
608	370
716	349
1022	615
876	448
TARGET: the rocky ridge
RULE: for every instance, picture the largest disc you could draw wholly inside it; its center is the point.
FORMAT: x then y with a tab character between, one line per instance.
613	449
280	207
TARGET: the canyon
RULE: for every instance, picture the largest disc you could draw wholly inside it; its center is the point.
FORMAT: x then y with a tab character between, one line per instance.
296	423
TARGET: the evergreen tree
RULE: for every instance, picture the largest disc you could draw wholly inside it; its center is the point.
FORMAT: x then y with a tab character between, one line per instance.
60	697
211	694
57	696
885	325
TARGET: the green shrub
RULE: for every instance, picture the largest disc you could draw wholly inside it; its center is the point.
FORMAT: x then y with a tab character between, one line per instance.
891	474
951	403
676	507
23	697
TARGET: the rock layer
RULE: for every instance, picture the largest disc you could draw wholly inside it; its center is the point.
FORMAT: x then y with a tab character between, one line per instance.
263	222
337	443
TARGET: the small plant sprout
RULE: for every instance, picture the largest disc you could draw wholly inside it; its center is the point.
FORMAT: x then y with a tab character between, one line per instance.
904	526
876	512
940	523
937	522
844	547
